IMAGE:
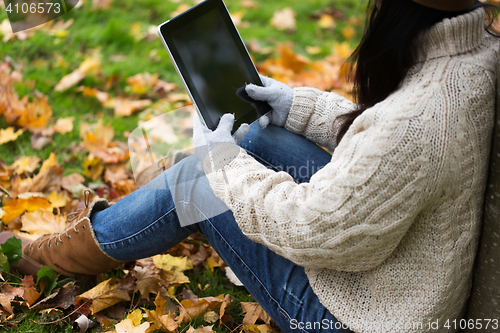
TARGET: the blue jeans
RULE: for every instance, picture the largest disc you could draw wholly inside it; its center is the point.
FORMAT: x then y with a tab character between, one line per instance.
146	223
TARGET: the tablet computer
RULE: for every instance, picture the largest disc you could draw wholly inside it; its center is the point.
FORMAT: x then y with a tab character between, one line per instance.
213	63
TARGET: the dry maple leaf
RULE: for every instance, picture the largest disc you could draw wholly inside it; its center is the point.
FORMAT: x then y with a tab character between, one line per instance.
64	125
17	207
105	294
253	312
58	199
192	308
125	107
41	222
127	326
161	318
170	263
201	329
25	164
89	65
35	116
8	134
264	328
147	281
30	295
284	19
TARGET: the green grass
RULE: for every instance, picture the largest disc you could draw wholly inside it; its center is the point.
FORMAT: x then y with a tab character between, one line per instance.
44	59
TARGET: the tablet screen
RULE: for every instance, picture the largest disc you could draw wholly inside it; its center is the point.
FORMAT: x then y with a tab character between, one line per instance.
213	63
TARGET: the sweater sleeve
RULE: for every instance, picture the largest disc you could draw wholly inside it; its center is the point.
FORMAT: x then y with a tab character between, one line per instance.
353	212
313	115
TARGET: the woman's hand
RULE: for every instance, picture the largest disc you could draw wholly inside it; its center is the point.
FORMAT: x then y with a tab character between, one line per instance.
278	95
206	140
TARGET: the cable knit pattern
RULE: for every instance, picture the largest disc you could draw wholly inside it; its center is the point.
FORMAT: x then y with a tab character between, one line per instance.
388	230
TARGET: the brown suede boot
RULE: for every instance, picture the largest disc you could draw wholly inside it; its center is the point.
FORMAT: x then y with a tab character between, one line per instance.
75	251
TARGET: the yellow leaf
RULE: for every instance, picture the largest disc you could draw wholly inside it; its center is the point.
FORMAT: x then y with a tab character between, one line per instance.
142	83
127	326
326	21
171	263
106	294
64	125
284	19
41	222
58	199
135	316
93	168
258	329
313	49
348	32
8	134
18	206
25	164
49	163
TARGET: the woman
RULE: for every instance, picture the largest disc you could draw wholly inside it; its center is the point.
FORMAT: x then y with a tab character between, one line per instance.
378	237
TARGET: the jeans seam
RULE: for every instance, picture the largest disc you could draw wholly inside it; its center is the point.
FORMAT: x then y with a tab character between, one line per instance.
283	311
139	232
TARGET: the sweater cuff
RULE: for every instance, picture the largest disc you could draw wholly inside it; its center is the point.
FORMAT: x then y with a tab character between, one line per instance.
304	101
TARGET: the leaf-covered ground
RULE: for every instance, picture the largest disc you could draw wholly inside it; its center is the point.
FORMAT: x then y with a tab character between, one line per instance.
71	93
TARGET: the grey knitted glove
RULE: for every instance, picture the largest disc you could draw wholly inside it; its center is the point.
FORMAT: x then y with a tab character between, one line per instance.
278	95
206	140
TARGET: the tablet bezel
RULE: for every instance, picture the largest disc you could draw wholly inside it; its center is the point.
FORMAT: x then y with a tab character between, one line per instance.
178	22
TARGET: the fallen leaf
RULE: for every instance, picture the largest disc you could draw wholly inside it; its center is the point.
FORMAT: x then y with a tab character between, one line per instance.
284	19
326	21
105	294
41	222
127	326
58	199
89	65
35	116
200	329
25	164
192	308
348	32
125	107
92	167
8	134
258	329
64	125
170	263
253	312
147	281
30	294
18	206
38	140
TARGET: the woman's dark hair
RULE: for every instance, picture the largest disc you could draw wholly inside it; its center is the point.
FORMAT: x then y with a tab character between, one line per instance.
387	50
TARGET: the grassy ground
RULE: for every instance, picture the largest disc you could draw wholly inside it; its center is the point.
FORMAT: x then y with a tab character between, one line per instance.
44	59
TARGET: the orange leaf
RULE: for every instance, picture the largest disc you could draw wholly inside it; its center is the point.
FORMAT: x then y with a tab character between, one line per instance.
253	312
18	206
35	115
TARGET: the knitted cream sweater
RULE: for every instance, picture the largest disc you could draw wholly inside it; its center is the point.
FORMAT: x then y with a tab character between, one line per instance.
387	231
